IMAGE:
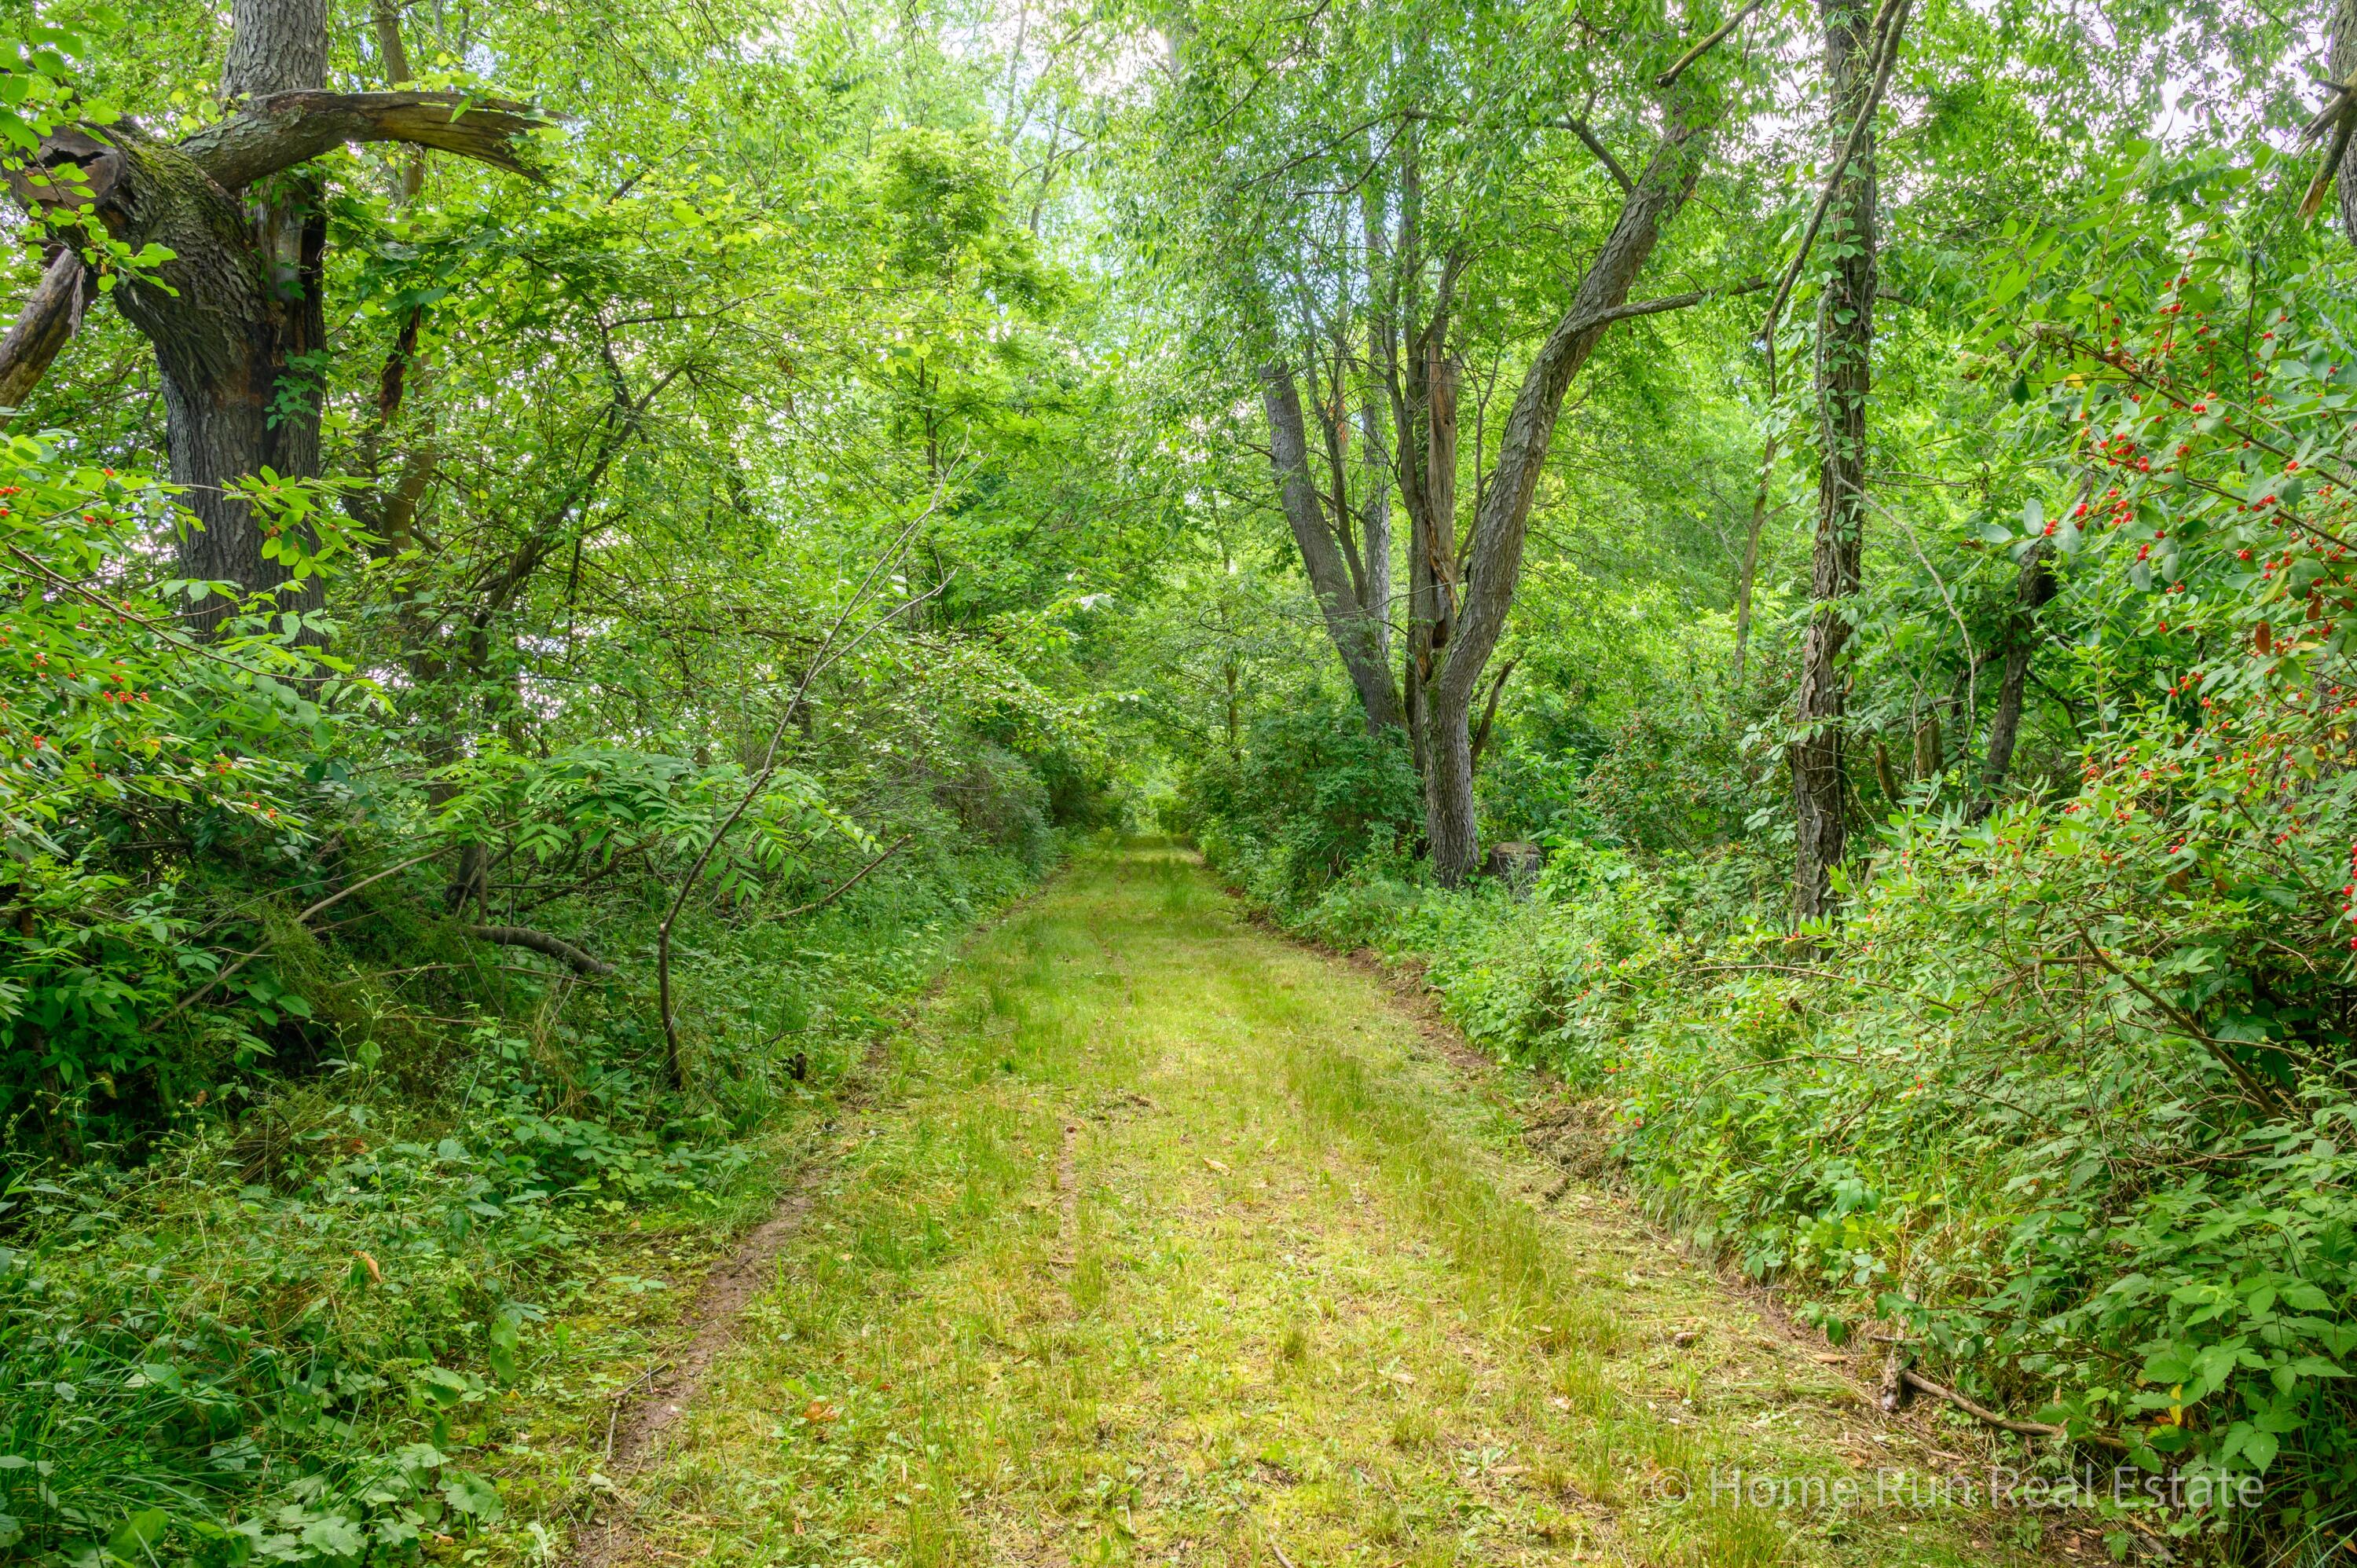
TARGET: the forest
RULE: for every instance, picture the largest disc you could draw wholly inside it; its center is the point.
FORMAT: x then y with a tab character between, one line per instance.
1291	782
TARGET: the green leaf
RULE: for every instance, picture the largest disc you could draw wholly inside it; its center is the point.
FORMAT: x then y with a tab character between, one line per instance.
471	1494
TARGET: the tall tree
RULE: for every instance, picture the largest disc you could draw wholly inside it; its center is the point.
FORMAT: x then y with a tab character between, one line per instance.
1494	556
1853	69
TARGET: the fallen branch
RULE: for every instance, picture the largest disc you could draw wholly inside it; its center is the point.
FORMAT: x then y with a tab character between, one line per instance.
1915	1379
542	943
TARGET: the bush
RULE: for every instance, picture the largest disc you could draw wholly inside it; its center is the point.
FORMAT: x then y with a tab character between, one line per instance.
1313	795
302	1334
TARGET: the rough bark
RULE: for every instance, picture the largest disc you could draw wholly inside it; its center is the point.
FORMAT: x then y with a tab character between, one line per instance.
1355	634
1845	345
2341	62
230	317
280	131
1501	525
274	45
2032	588
258	406
235	315
46	324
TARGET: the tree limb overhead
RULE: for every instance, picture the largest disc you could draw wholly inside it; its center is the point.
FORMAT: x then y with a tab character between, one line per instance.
290	128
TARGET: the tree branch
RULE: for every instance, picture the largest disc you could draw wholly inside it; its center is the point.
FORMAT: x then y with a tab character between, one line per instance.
1669	78
1669	301
842	888
542	943
42	329
290	128
1581	129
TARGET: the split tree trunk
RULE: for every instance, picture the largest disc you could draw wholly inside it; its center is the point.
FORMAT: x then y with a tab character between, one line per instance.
249	399
1845	346
1432	565
1493	565
235	315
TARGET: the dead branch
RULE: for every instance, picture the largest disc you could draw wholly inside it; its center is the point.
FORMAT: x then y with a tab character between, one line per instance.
542	943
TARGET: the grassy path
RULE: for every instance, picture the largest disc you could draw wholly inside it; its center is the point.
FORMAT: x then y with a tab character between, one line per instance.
1172	1243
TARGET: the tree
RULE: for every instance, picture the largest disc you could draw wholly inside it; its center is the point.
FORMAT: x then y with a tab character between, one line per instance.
1493	565
1857	57
233	307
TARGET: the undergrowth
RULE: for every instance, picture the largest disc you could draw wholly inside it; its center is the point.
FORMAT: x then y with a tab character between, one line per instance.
320	1328
2043	1106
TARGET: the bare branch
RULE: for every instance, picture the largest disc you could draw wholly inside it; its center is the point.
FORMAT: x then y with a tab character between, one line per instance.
290	128
842	888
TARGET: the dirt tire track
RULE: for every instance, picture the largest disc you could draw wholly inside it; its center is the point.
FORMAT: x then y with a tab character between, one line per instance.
639	1425
607	1536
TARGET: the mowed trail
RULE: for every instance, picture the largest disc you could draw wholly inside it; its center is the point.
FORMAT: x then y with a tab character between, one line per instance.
1169	1241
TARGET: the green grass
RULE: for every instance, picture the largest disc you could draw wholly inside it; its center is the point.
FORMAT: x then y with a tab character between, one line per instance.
1303	1304
362	1315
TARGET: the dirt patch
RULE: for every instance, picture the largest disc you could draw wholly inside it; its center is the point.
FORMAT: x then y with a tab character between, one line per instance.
1068	1199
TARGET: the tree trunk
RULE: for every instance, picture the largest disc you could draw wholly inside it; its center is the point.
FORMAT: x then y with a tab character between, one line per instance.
2031	591
2341	62
235	315
1450	833
1432	548
1845	345
1375	536
1749	577
228	420
1502	525
1355	634
392	58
